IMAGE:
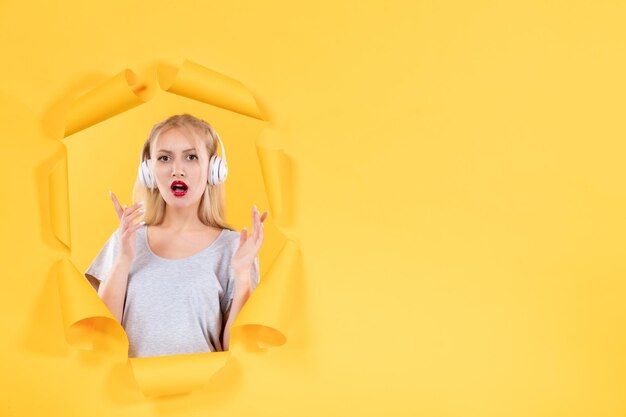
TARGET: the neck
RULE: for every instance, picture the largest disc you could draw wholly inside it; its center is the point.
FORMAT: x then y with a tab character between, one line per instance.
182	219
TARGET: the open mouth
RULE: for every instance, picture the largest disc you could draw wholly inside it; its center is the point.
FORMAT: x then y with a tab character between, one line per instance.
179	188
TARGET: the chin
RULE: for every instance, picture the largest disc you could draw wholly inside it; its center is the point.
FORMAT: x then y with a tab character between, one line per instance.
182	201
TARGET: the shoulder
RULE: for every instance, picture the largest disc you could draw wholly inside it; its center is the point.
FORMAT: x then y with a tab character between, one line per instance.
113	238
230	240
230	236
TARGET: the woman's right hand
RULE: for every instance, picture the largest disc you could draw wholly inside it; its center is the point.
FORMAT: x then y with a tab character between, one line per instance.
127	228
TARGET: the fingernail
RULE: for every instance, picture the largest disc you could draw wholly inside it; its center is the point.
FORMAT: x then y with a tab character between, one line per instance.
142	222
255	209
110	193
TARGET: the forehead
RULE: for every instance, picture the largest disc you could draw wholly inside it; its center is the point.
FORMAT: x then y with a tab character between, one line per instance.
176	139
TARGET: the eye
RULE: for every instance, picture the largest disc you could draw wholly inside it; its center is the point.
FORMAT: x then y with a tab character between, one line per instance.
194	156
163	156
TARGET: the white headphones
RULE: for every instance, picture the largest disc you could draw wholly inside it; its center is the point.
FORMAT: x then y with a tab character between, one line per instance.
218	169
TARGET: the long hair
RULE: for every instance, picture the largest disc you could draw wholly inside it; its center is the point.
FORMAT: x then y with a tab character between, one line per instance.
212	207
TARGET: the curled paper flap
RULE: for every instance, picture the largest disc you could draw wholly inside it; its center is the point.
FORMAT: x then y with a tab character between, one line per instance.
262	321
208	86
277	177
59	201
123	92
112	97
176	374
87	322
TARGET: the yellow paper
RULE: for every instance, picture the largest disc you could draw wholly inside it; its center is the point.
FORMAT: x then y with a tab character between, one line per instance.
454	184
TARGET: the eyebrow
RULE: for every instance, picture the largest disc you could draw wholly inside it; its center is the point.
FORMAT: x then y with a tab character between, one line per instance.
166	151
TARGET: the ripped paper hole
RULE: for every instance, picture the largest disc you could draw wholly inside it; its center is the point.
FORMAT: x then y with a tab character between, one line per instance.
116	113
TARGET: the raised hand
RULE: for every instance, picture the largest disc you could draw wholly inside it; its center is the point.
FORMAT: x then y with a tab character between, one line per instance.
249	245
127	228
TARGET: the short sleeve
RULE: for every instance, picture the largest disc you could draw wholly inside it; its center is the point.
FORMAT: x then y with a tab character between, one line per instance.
102	265
227	300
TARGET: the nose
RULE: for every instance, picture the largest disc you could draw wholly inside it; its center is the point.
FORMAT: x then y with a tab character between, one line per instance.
177	170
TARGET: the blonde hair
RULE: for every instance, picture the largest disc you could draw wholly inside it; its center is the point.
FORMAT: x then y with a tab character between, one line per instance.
212	208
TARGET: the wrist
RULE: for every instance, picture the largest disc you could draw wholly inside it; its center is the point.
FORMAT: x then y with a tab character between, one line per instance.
124	260
242	277
241	270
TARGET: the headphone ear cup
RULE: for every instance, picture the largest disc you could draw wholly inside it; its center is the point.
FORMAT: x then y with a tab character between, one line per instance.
223	170
145	176
218	170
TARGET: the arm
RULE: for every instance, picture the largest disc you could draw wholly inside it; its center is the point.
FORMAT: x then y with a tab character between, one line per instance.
242	265
240	296
113	290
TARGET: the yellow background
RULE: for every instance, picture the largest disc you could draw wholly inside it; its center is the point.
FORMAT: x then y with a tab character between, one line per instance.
459	193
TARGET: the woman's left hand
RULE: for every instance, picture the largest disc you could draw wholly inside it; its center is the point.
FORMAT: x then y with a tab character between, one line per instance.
249	245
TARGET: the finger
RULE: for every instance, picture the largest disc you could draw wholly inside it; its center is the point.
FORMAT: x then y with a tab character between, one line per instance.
116	205
255	223
135	206
252	231
243	236
264	216
139	225
131	216
132	229
128	210
128	221
259	225
260	236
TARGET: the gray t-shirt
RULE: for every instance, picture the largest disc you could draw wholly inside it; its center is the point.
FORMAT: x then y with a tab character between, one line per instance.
174	306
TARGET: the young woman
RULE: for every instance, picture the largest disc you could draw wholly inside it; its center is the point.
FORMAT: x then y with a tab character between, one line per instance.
177	280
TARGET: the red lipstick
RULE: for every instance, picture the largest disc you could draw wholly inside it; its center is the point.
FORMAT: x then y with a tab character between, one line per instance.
179	188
